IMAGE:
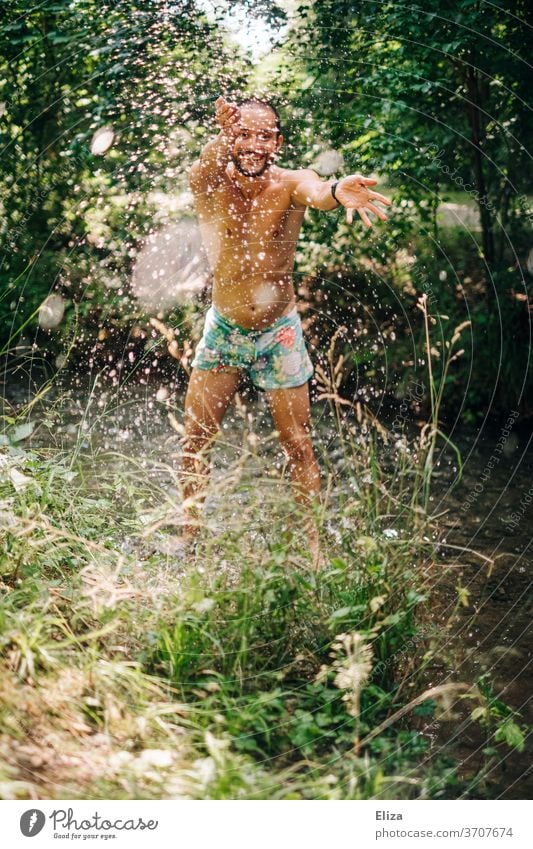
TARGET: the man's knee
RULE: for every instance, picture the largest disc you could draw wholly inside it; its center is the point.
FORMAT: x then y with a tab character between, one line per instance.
297	446
199	429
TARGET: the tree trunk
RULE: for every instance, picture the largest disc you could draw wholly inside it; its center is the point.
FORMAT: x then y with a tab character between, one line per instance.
477	135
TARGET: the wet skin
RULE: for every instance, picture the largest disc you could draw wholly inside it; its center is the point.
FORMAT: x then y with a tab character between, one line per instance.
250	226
250	213
251	247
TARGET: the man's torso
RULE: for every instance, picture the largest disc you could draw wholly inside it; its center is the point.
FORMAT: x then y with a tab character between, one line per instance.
251	246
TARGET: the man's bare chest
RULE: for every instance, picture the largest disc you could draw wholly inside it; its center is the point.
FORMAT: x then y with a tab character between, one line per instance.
267	216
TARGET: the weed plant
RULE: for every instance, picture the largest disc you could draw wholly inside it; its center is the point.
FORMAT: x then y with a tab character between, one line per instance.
131	670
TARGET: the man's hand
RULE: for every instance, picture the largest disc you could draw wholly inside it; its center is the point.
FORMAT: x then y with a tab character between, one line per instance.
228	117
353	193
210	169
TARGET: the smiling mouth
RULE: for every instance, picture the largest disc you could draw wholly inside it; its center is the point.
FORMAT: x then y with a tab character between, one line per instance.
252	164
254	158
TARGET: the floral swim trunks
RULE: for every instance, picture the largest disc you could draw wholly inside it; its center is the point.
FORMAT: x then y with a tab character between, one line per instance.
275	358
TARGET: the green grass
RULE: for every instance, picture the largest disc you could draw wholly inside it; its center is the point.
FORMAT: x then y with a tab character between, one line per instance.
131	670
239	672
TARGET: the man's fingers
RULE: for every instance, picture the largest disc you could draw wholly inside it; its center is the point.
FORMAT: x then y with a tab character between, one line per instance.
227	114
368	181
364	216
349	214
224	110
377	211
223	107
381	198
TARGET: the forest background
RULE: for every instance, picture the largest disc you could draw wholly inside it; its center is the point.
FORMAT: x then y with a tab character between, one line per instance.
432	99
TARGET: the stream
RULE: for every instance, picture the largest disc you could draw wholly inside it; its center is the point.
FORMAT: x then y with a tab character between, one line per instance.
489	516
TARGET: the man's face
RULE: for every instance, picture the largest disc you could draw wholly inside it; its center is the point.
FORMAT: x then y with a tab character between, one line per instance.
257	141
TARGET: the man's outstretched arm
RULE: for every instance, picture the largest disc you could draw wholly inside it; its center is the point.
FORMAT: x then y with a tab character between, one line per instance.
352	192
209	170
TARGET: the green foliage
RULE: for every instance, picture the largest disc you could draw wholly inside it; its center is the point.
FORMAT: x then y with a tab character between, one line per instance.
224	673
73	218
498	718
424	93
432	98
251	652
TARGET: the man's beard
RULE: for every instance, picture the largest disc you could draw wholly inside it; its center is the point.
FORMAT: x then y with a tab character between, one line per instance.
267	163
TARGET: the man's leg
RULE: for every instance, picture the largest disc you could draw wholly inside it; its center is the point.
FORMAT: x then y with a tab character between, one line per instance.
208	397
292	420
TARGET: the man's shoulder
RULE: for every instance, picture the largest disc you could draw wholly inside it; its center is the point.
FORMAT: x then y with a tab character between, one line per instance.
201	183
196	183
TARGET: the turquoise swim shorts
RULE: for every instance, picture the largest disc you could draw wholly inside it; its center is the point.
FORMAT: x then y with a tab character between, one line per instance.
275	358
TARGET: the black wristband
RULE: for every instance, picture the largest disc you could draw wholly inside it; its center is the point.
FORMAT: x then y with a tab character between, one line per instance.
333	187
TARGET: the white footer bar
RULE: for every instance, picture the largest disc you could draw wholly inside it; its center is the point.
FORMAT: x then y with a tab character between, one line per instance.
266	824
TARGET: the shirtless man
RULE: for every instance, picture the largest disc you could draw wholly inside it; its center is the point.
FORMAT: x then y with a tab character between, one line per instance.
250	213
